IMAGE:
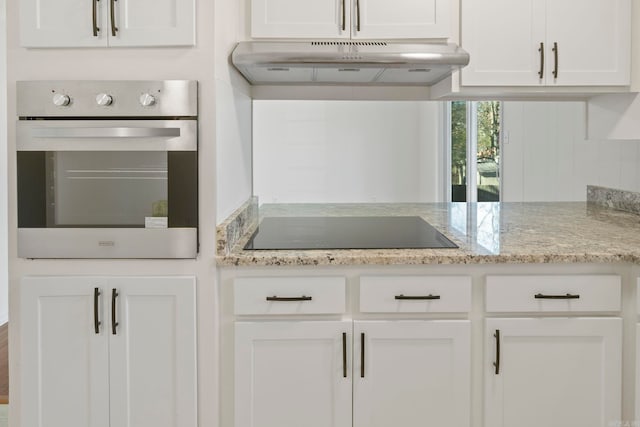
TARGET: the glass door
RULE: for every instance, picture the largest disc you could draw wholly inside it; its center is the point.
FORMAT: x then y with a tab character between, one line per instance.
474	128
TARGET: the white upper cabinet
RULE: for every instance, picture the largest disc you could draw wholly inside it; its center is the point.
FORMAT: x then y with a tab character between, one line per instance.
358	19
63	23
502	38
546	42
300	18
153	23
593	39
398	19
102	23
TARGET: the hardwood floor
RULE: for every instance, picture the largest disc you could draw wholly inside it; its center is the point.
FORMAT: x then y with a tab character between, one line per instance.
4	363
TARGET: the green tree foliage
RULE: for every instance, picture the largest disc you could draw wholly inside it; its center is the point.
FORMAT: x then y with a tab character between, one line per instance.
458	141
488	129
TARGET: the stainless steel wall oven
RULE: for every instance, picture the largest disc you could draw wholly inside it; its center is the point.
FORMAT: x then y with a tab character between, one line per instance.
107	169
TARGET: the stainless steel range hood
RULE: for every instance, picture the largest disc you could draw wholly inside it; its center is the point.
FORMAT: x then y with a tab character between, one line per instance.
347	62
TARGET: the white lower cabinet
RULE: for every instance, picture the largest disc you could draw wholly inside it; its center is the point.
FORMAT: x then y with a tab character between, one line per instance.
108	351
638	372
293	374
553	372
637	412
302	373
411	373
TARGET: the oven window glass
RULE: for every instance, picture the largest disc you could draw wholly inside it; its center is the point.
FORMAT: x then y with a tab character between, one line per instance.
93	188
106	188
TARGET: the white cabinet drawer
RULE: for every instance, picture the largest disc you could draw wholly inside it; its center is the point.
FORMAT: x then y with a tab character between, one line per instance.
584	293
415	294
289	295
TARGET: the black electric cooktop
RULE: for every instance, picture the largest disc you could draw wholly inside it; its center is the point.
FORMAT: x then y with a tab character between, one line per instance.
387	232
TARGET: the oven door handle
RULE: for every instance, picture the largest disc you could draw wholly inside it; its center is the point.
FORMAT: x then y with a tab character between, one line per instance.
104	132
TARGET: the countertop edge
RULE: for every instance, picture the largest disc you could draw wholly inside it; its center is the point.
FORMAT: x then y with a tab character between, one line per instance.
329	259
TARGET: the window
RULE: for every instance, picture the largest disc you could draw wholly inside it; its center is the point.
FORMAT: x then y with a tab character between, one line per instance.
473	151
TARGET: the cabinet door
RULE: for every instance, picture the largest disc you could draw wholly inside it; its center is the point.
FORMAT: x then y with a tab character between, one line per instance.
62	23
152	352
638	372
503	38
593	42
64	362
153	23
553	372
383	19
292	374
412	373
300	18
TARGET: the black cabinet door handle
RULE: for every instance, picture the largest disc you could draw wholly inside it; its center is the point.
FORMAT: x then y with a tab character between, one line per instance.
289	299
496	364
358	15
344	354
362	355
555	56
94	11
114	323
566	296
541	50
96	317
344	15
416	297
114	29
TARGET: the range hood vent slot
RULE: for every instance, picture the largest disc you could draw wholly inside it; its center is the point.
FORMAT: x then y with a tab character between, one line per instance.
348	43
370	63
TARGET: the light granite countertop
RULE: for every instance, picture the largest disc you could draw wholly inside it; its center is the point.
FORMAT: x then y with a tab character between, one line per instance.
555	232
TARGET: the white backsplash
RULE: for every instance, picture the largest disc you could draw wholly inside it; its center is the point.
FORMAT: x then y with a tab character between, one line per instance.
345	151
548	158
324	151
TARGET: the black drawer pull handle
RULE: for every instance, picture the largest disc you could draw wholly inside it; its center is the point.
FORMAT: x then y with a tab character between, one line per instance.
96	317
344	354
417	297
289	299
114	323
567	296
497	362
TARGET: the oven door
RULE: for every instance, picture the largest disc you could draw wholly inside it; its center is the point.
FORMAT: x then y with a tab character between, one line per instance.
107	189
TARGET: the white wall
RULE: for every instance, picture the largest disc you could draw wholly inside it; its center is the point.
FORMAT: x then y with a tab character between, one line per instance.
4	285
345	151
233	112
546	156
233	152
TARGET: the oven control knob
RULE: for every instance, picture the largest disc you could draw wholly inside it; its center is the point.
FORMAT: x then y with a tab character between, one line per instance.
61	100
104	99
147	100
